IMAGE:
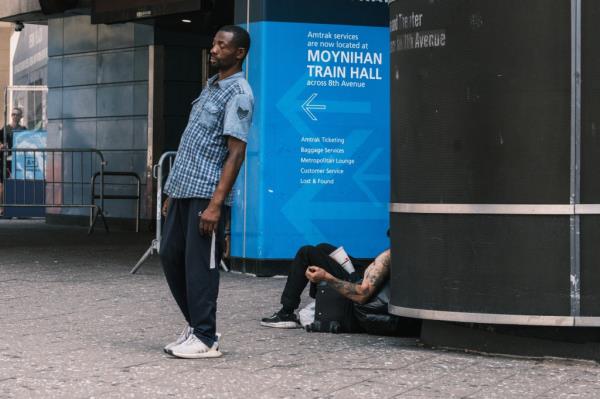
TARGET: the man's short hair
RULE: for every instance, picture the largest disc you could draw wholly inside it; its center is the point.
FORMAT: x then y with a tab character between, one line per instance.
19	109
241	38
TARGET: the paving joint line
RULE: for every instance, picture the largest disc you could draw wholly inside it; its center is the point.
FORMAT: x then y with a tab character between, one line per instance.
429	381
540	395
348	386
496	384
132	366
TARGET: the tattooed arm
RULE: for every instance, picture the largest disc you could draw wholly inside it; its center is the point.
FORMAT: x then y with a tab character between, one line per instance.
375	275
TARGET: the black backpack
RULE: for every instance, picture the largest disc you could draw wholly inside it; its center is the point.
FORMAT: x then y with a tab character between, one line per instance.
334	313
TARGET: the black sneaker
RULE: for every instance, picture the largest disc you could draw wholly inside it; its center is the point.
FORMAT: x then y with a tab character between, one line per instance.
281	320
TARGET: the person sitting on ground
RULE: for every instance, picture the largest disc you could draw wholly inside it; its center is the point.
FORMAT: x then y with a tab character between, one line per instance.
313	263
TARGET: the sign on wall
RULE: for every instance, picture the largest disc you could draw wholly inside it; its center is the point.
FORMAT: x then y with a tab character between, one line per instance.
318	159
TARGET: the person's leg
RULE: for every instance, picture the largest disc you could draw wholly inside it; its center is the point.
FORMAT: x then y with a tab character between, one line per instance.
296	281
2	185
172	252
202	275
1	196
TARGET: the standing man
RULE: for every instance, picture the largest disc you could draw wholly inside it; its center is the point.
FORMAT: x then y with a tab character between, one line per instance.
6	144
209	157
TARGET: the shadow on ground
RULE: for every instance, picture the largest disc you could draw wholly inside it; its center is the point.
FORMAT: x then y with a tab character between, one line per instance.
75	324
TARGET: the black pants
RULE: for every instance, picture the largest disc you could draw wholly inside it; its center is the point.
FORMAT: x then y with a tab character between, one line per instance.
313	256
185	256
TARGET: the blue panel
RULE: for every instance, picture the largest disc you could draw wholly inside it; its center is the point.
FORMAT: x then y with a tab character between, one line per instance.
31	192
318	154
28	164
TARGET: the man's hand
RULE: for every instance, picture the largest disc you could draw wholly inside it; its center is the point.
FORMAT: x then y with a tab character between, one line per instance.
375	276
165	207
209	219
315	274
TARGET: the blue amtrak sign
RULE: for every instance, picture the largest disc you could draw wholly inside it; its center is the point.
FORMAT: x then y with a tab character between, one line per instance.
318	155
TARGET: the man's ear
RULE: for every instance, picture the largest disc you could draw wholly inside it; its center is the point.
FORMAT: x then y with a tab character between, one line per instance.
241	53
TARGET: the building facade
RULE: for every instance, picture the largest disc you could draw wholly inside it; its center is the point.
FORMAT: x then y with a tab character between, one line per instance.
121	77
121	88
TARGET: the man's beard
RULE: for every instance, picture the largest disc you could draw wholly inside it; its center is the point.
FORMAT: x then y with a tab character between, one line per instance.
220	65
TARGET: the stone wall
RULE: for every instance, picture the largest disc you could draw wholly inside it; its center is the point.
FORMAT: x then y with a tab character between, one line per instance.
5	33
98	98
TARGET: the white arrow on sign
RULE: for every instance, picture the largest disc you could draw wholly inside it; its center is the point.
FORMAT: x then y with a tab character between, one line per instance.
308	106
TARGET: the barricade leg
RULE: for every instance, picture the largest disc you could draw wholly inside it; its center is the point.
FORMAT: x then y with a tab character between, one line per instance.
158	172
98	212
149	252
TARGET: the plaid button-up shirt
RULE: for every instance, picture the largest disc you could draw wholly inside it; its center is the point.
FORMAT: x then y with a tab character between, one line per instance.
224	108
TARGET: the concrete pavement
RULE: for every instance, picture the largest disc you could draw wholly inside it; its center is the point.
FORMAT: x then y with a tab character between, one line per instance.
75	324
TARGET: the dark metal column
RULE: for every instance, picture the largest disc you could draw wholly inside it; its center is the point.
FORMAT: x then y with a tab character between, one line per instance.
494	193
575	155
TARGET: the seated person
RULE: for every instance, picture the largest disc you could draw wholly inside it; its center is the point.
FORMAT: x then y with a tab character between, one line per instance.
312	263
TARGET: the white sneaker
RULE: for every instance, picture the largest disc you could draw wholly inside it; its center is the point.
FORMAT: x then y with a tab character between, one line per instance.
187	331
217	340
193	348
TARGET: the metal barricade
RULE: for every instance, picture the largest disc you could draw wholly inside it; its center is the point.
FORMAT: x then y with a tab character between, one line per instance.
52	178
104	195
159	172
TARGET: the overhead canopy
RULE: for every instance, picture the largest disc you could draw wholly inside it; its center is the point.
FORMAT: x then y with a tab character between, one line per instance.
40	10
112	11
